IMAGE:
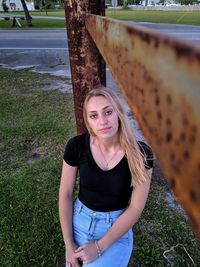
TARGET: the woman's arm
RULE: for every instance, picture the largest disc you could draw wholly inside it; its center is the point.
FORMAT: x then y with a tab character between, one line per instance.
67	183
129	217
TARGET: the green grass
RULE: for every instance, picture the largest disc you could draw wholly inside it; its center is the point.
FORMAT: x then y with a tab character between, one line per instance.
36	121
31	121
37	23
159	229
51	12
175	17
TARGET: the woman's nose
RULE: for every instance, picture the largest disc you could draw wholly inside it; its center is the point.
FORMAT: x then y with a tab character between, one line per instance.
102	120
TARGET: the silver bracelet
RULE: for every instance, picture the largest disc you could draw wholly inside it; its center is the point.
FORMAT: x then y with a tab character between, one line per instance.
98	248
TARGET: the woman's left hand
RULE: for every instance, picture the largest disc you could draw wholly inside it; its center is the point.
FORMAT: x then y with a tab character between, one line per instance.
87	252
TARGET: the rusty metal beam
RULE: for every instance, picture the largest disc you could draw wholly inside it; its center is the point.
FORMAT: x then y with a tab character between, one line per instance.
160	79
87	65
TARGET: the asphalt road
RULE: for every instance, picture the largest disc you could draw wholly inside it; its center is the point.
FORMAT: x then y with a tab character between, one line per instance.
57	38
33	39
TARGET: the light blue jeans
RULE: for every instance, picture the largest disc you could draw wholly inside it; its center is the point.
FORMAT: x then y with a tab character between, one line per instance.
89	225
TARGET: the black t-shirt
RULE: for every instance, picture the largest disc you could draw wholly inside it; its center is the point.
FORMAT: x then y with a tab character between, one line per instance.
101	190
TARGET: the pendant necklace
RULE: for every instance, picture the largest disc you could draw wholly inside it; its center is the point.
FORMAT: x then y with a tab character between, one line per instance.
107	162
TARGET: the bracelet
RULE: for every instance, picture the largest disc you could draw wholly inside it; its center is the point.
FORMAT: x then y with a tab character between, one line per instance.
98	248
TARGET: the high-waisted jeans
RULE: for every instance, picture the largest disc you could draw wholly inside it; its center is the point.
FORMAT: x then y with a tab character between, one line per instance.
89	225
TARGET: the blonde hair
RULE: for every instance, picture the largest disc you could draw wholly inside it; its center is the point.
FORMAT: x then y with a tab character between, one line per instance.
136	160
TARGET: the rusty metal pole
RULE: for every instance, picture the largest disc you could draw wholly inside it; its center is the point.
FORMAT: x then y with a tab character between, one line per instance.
162	87
88	68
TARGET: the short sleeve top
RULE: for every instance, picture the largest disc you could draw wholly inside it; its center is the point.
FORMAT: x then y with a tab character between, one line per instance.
102	190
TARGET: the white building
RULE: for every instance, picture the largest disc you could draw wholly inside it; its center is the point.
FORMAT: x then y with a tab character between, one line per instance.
16	5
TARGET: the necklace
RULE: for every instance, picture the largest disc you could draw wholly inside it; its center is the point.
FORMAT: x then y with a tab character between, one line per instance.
107	162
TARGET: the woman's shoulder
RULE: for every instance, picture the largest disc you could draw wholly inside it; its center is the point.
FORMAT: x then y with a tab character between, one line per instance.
78	139
74	148
78	142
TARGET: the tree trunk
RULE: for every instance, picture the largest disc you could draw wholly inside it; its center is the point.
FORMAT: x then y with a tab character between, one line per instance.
26	12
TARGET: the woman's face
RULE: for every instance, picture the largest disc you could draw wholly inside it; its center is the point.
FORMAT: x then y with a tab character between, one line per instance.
101	117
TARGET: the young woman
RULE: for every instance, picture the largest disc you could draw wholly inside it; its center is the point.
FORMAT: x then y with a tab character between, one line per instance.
114	182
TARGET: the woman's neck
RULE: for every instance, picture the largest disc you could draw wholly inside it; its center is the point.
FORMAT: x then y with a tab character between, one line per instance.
106	143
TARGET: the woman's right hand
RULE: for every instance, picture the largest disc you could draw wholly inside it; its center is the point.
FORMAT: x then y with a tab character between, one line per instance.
71	260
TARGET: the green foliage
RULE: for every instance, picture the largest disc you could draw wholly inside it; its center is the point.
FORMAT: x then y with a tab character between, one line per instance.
187	2
125	3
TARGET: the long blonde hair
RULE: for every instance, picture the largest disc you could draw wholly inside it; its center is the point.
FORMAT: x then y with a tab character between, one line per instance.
136	160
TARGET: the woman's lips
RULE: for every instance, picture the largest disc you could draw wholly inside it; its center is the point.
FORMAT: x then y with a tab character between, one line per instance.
104	129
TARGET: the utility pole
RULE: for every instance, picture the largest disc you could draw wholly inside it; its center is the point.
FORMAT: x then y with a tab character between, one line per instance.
88	69
26	12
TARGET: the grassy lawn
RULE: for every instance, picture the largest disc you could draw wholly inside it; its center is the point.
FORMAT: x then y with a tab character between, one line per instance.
37	23
175	17
34	127
162	227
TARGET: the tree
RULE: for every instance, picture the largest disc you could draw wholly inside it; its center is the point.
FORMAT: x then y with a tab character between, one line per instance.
4	6
26	12
187	2
125	3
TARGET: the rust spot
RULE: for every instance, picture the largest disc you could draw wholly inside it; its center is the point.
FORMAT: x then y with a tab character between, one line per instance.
159	115
183	136
193	196
185	51
185	121
143	35
169	99
155	90
194	128
169	137
186	154
151	130
157	100
176	168
172	183
156	43
144	119
168	121
172	156
199	166
177	142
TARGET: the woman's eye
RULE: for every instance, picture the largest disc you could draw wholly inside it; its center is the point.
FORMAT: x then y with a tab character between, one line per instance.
93	116
108	112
